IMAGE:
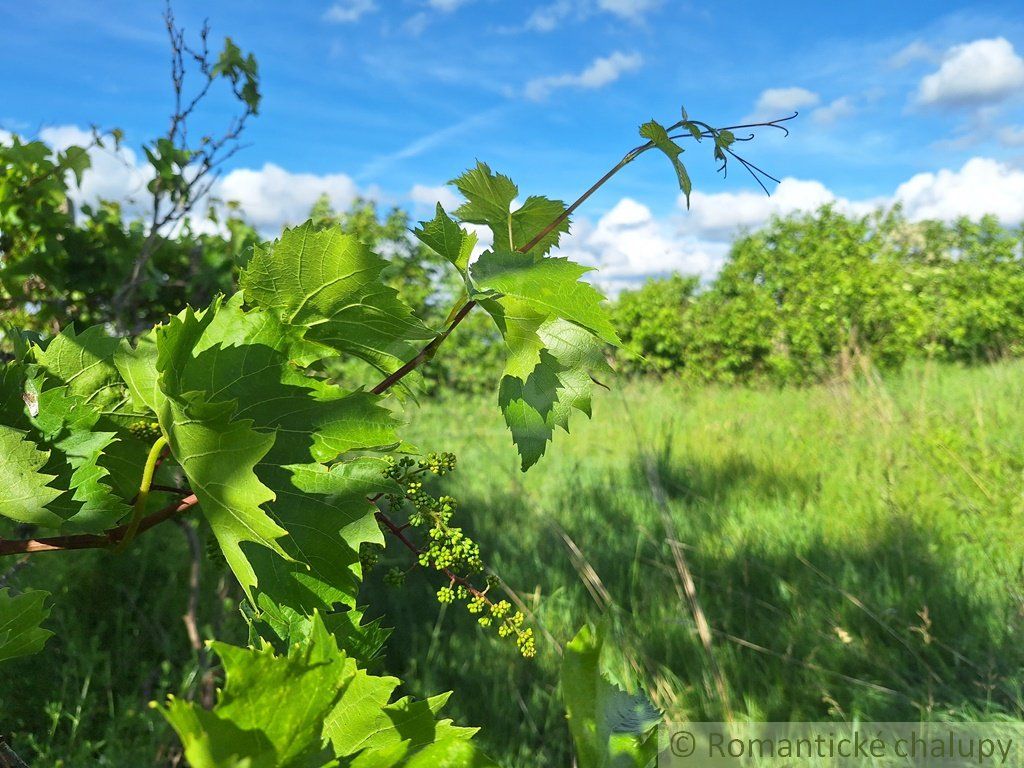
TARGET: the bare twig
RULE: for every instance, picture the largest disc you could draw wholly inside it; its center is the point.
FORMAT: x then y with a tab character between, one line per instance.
8	757
205	159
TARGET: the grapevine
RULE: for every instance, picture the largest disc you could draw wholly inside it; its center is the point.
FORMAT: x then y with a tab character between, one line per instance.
230	413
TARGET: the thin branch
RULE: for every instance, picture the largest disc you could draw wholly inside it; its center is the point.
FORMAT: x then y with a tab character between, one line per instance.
428	351
94	541
424	354
8	757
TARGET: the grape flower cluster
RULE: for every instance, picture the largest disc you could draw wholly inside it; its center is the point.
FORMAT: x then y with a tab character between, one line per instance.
147	431
449	550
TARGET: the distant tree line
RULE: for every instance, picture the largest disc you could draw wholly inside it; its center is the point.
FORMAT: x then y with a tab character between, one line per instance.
814	296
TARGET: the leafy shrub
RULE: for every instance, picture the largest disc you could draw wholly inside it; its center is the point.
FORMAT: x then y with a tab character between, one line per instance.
811	296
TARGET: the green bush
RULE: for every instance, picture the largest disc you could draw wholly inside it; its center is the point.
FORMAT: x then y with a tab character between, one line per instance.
812	296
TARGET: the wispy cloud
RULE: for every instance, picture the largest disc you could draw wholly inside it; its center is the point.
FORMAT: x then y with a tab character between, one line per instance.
632	10
599	73
777	102
447	6
349	11
913	52
835	111
378	165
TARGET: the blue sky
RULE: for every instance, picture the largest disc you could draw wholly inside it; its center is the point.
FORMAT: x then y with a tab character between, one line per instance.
393	98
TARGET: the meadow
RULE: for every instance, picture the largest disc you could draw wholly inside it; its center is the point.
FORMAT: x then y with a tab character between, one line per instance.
855	550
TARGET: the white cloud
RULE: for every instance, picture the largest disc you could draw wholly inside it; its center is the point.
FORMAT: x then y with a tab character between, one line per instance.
446	6
720	215
778	102
272	197
915	51
628	243
427	197
835	111
348	11
628	9
600	72
547	17
984	71
982	186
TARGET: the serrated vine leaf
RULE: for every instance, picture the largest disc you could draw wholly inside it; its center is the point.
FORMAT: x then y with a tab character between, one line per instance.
84	364
489	198
533	218
609	726
657	134
137	366
519	324
450	753
20	620
551	285
363	718
329	282
271	710
245	358
311	705
561	382
446	237
217	453
27	490
62	425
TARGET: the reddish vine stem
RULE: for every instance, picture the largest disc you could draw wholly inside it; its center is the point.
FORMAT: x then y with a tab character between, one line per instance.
94	541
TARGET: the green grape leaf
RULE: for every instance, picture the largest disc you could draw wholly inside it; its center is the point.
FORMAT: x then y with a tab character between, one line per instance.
271	710
443	235
90	504
244	358
62	425
282	710
561	381
137	366
328	516
27	490
536	214
518	323
549	284
658	136
364	720
20	620
489	197
217	452
329	282
84	363
219	456
450	753
609	726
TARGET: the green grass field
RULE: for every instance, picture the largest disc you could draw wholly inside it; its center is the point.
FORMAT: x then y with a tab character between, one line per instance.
855	549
